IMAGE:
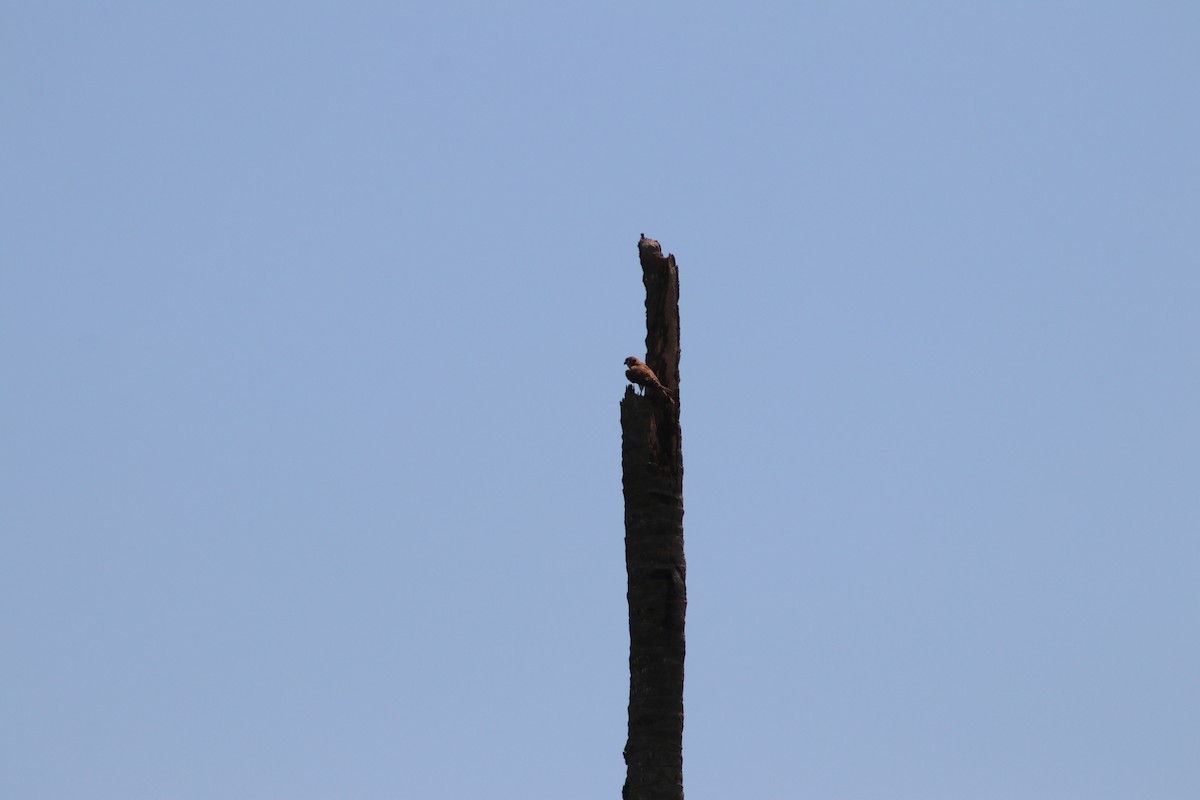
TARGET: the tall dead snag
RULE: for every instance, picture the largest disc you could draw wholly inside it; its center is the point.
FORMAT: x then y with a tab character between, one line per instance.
652	475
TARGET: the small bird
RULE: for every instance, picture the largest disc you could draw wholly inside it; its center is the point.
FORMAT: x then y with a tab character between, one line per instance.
644	377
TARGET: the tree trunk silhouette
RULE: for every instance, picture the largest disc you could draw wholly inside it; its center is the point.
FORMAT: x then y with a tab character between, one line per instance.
652	476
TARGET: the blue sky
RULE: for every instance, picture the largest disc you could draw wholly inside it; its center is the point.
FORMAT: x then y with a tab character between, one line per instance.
312	319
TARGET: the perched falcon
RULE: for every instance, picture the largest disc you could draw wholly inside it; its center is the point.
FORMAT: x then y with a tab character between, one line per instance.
644	377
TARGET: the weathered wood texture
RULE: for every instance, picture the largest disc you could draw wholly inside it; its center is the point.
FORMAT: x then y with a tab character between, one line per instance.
652	475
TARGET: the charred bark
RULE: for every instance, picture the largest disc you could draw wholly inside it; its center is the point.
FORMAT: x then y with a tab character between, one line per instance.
652	475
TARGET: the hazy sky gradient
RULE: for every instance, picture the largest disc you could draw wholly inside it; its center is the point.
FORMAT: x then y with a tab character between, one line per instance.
312	321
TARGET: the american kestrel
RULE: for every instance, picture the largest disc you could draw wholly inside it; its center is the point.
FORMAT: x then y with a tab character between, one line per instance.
644	377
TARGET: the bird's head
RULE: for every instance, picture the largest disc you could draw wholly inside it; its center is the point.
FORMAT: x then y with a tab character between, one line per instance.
629	362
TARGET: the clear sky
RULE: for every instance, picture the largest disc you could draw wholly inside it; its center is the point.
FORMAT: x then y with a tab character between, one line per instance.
312	321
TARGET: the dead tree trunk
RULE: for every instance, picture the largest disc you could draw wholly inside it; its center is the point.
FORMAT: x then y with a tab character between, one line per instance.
652	475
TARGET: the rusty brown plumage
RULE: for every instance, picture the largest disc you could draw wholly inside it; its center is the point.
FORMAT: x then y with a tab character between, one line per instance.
644	377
